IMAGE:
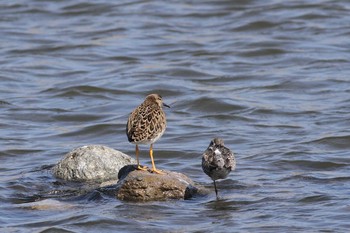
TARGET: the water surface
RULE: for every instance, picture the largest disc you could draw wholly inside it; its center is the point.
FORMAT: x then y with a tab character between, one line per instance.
271	78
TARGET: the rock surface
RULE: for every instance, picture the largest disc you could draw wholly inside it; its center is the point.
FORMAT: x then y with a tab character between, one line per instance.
92	163
115	173
137	185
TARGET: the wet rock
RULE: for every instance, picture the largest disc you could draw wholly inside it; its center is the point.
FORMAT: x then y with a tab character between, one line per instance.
91	163
137	185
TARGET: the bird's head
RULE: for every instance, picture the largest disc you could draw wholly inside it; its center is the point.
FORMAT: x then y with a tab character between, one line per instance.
156	98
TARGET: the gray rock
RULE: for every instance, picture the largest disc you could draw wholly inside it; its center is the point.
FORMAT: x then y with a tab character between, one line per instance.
91	163
137	185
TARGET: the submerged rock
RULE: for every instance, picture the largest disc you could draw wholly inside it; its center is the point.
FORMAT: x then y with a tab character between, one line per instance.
47	204
138	185
95	163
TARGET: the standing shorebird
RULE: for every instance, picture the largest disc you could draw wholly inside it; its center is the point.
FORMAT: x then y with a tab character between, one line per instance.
218	161
146	124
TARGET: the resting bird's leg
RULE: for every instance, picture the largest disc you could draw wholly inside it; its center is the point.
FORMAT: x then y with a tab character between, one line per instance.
154	169
139	167
216	190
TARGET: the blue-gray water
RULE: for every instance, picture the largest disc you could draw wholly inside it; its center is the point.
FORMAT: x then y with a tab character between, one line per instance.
269	77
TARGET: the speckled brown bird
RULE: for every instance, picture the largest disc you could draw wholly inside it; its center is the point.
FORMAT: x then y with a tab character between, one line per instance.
146	124
218	161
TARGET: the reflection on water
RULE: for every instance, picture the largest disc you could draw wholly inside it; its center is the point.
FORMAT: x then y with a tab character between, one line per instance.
270	78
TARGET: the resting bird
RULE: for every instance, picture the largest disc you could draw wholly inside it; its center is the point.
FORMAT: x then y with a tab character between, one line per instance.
146	124
218	161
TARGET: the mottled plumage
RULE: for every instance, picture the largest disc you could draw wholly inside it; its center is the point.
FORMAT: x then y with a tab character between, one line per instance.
146	124
218	161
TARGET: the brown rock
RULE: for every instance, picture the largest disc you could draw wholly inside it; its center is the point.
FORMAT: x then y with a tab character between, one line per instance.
137	185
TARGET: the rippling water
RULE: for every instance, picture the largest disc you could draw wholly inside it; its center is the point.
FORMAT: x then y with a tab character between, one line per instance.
270	77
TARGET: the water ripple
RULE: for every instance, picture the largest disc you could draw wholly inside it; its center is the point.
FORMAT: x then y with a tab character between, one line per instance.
339	142
271	78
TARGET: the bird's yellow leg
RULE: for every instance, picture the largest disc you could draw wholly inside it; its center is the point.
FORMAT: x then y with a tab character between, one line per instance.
139	167
154	169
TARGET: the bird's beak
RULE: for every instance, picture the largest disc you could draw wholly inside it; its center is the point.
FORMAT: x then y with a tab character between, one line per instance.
166	105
